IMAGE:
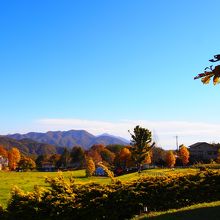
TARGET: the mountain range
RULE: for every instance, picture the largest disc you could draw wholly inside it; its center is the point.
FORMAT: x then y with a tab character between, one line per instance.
29	147
70	138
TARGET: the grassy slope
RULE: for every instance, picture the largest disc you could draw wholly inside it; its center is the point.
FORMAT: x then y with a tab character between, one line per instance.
27	180
201	211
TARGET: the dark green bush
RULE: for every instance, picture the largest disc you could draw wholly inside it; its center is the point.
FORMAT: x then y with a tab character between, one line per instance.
67	200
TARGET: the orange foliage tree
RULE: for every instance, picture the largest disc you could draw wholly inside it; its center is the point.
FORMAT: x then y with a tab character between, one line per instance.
170	159
95	155
14	157
125	157
184	154
3	152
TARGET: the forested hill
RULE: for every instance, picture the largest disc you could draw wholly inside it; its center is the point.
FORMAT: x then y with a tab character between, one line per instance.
29	147
71	138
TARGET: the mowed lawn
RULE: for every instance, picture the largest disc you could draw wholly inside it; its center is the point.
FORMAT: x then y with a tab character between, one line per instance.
27	180
202	211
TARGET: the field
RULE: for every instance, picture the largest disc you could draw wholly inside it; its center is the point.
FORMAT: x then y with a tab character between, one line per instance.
201	211
27	180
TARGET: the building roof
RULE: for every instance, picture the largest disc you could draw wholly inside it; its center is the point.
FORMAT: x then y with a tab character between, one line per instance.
198	144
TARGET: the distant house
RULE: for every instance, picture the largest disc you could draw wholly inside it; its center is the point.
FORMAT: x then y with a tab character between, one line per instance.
203	151
3	162
99	171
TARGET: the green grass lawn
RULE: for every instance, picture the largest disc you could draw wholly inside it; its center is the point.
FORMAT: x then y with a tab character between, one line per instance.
203	211
27	180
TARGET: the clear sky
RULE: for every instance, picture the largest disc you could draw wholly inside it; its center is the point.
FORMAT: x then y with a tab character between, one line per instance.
105	66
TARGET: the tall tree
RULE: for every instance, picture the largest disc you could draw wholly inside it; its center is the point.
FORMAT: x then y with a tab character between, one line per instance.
141	144
170	159
65	158
184	154
77	156
14	157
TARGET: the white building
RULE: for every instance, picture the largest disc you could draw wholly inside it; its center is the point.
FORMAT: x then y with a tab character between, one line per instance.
3	162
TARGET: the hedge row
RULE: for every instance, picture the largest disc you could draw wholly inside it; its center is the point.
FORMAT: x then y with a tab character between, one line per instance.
65	200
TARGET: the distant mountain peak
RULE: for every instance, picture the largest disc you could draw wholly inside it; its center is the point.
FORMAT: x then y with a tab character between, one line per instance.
114	136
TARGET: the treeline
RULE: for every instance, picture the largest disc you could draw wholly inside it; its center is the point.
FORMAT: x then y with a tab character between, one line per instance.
118	158
13	159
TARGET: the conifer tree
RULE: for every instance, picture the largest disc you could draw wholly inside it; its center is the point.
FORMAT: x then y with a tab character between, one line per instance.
141	145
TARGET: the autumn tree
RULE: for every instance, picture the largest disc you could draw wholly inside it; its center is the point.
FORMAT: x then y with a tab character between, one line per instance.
14	157
95	155
3	152
141	144
26	163
98	147
90	166
170	159
124	157
184	155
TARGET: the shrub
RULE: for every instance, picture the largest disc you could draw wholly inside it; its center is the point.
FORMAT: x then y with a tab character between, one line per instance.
90	167
65	200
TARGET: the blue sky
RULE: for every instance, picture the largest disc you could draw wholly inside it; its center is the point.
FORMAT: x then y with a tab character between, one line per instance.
105	66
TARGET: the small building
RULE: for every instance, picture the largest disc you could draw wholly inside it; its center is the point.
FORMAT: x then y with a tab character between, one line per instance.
3	162
202	151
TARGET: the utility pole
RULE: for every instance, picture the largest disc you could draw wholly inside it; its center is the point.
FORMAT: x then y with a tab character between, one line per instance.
177	144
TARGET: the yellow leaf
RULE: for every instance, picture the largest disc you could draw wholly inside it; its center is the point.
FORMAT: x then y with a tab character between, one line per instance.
206	79
216	79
